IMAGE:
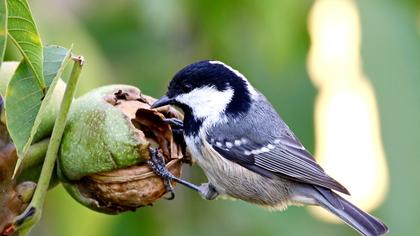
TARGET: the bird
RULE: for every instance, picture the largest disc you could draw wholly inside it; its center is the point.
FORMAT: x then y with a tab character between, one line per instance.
245	148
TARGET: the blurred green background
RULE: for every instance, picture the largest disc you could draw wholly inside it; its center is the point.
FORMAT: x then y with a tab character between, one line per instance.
144	43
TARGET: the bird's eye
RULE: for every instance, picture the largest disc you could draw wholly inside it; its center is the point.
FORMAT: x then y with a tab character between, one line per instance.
186	88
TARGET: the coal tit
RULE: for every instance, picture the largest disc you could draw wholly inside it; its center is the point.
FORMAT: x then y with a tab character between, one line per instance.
246	150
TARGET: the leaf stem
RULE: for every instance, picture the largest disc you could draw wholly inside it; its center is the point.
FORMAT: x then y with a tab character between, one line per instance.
29	218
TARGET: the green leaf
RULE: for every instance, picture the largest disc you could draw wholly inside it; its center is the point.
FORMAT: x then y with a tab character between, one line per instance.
23	32
3	29
25	101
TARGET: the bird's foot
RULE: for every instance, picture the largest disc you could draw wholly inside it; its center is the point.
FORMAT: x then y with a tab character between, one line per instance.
174	122
207	191
157	163
177	126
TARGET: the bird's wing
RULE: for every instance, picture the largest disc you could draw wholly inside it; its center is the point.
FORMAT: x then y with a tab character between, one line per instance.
283	156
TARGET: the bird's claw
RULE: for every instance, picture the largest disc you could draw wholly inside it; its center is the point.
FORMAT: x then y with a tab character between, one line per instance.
177	127
157	164
169	189
174	122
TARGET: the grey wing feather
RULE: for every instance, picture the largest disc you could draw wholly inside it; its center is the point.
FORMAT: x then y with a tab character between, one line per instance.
282	160
286	156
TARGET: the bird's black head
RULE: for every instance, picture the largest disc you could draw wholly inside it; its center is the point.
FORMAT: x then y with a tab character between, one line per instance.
207	91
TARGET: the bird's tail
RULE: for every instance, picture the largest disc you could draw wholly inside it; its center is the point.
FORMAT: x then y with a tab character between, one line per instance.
358	219
361	221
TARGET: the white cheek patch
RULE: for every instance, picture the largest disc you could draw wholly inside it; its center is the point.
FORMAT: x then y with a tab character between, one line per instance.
239	74
207	102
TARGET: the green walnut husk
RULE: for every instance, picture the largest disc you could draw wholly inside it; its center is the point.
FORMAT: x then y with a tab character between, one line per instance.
106	144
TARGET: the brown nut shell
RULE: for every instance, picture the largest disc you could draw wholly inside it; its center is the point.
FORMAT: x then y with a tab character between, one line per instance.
128	189
118	188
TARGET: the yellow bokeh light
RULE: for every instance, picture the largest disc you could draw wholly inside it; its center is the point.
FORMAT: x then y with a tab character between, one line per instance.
335	35
348	140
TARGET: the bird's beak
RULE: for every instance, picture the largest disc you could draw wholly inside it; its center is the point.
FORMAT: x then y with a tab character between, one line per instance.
164	100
